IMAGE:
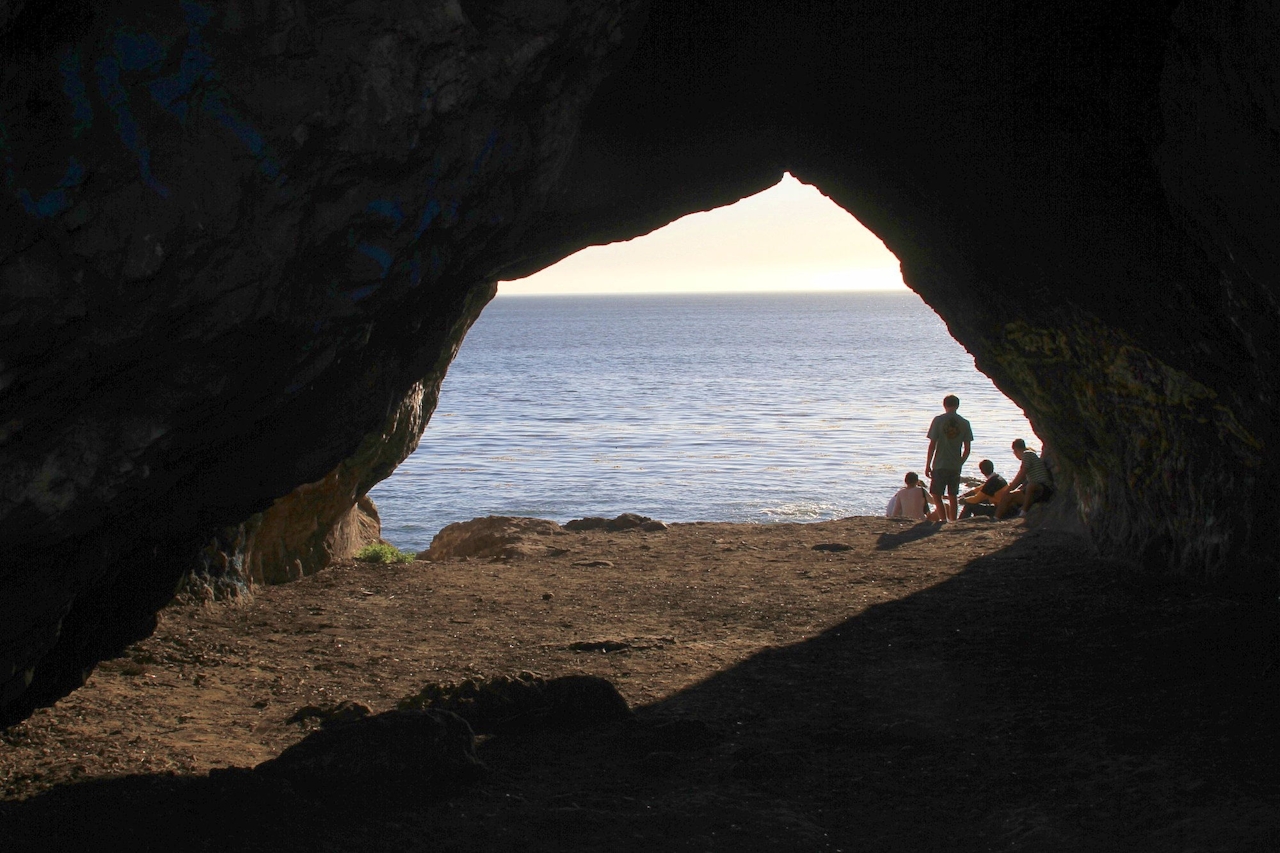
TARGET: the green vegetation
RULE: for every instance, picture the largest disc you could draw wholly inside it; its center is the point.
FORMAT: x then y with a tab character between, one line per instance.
383	553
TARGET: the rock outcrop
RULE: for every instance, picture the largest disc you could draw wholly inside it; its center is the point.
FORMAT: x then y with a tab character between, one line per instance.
500	536
242	243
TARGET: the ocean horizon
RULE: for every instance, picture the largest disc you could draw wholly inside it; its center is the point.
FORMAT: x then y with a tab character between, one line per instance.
744	407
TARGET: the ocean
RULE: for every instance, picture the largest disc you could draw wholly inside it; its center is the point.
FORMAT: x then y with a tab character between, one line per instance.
745	407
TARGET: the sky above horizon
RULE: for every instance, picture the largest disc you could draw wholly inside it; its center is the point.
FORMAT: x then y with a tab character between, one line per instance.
788	238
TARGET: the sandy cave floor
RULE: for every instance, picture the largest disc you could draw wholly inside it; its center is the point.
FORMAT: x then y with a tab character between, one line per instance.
975	686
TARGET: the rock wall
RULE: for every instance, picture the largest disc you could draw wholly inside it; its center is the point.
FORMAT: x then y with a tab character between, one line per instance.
243	240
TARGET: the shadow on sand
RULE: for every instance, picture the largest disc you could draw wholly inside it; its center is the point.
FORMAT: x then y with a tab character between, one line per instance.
923	530
1035	702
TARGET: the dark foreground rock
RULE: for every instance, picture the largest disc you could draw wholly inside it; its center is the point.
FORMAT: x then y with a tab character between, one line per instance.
405	753
526	702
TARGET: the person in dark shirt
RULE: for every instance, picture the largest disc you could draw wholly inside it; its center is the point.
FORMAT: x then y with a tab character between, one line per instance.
982	500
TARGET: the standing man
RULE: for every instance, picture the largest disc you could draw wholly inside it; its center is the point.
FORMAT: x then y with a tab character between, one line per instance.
950	437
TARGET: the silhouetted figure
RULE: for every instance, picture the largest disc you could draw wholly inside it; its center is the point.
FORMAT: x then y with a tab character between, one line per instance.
950	437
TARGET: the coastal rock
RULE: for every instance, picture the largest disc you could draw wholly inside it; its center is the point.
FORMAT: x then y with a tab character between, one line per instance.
625	521
406	753
493	536
242	244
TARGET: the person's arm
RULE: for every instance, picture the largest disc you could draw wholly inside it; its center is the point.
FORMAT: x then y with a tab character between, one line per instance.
893	510
964	457
928	458
1017	478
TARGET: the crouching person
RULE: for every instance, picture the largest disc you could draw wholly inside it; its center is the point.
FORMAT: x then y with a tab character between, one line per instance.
1032	484
982	500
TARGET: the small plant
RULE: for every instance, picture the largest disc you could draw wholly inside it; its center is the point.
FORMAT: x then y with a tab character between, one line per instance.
383	553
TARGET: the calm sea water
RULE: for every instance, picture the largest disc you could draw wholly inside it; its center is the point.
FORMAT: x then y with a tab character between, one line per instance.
725	407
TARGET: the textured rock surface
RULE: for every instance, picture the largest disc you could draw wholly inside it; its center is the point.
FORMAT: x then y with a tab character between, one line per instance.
242	242
492	536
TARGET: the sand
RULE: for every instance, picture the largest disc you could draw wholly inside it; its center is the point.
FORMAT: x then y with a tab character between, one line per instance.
974	686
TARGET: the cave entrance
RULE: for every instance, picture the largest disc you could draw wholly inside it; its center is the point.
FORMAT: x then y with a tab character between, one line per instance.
759	362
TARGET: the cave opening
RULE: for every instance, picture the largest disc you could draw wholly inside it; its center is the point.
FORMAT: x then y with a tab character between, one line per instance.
759	362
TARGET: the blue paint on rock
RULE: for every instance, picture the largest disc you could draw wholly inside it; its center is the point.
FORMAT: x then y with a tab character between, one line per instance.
136	51
58	199
361	293
112	91
77	93
388	208
429	213
382	257
489	144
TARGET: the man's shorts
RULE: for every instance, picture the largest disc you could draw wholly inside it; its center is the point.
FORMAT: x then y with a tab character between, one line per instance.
1044	494
944	480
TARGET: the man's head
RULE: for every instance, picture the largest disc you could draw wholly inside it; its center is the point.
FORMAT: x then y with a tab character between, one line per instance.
912	478
987	467
951	402
1019	447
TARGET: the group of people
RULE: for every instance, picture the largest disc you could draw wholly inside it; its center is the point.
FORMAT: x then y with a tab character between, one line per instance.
950	439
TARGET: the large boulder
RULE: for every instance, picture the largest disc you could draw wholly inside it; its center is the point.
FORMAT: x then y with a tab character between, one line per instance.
242	243
500	536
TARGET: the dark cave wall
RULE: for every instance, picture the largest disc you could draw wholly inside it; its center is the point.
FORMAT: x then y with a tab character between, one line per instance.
240	240
243	241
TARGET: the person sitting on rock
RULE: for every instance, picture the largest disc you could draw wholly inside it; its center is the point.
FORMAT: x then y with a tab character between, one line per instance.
1032	484
910	501
982	500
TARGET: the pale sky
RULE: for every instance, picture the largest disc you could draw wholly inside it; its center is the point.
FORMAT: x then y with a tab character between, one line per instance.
789	237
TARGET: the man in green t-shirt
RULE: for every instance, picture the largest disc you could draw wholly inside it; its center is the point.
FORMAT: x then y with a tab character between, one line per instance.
950	437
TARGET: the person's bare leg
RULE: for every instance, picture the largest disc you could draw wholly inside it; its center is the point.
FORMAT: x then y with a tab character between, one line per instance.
952	511
1006	501
1031	489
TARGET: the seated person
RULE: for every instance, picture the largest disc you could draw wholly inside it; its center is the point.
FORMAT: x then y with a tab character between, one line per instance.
982	500
910	501
1032	484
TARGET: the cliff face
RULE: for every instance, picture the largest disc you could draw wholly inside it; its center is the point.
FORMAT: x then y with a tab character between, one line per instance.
243	241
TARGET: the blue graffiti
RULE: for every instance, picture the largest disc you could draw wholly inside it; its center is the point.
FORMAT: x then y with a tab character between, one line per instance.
57	199
430	212
489	144
196	67
388	208
378	254
361	293
76	91
108	69
215	105
132	52
136	51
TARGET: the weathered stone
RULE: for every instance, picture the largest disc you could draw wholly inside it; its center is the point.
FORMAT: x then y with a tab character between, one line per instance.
242	243
492	536
625	521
